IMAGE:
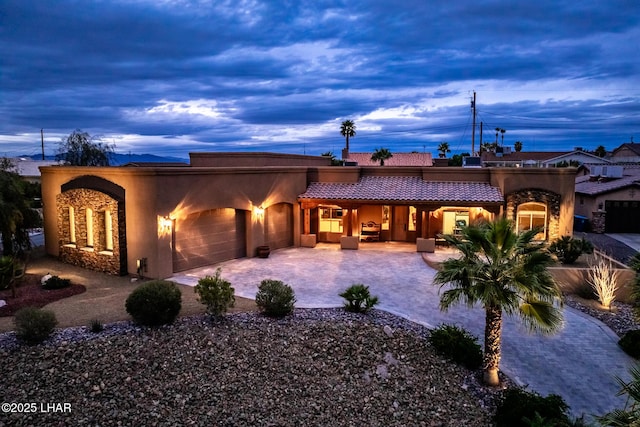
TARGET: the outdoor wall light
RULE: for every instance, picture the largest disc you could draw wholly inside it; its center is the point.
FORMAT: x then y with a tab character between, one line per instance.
141	265
259	211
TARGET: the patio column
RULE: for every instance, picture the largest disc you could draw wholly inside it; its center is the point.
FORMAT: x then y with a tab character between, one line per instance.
307	239
349	222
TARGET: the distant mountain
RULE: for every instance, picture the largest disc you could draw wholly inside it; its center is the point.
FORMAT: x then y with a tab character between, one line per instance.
118	159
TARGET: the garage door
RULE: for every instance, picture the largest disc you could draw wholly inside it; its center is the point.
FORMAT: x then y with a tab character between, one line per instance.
622	216
209	237
279	225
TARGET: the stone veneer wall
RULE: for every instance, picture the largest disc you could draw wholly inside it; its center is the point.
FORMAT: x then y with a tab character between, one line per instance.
598	221
78	253
550	199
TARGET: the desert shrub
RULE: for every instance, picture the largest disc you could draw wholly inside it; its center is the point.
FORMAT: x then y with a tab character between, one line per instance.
55	282
275	298
603	278
630	343
515	406
95	326
216	293
34	325
568	250
359	299
154	303
584	290
458	345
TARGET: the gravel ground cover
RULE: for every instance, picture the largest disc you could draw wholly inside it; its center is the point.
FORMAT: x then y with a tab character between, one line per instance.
319	367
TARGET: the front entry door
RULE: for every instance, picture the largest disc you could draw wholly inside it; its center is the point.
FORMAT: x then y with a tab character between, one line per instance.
399	225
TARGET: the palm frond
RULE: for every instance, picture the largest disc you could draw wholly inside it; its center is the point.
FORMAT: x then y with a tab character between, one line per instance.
541	316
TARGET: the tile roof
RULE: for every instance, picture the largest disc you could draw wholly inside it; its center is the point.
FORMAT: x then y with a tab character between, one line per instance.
398	159
403	189
630	177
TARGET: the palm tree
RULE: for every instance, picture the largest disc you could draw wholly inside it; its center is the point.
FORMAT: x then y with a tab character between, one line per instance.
502	131
443	149
348	130
381	154
517	146
504	272
497	132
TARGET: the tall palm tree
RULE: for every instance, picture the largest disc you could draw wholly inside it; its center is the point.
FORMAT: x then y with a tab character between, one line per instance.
348	130
504	272
443	149
381	154
502	131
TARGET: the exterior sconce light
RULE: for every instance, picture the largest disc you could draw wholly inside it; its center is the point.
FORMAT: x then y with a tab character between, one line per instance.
141	265
259	211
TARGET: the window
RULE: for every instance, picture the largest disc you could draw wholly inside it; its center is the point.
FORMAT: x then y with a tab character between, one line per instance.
108	231
412	218
89	219
385	217
72	225
330	219
532	215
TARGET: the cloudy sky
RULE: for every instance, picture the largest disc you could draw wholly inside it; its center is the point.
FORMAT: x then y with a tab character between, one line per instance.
174	76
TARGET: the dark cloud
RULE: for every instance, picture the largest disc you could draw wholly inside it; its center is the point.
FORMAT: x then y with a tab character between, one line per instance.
184	75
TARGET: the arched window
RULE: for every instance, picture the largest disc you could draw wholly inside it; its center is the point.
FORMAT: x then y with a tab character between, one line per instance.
532	215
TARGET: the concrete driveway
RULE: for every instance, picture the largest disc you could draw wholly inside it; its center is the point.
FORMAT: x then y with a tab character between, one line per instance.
578	363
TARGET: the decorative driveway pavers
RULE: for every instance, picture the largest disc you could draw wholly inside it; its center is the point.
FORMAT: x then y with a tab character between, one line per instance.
578	363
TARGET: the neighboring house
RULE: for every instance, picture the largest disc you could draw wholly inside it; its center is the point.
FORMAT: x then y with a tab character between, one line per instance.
28	168
609	197
541	159
157	220
398	159
626	153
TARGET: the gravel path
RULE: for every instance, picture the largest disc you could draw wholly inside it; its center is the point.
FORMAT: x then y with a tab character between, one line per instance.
319	367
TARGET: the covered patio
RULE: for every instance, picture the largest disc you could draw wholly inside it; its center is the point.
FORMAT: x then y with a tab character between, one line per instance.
393	209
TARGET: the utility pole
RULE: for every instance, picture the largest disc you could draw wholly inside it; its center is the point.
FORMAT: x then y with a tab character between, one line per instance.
473	129
481	125
42	141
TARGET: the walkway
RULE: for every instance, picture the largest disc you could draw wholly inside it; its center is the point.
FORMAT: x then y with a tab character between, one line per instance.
578	363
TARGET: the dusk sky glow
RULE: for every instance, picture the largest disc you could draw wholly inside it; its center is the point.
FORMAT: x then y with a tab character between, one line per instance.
170	77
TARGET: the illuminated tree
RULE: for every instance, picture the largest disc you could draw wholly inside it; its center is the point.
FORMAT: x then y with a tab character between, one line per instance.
504	272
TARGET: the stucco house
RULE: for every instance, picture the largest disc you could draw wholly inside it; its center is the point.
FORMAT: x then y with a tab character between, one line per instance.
157	220
609	197
540	159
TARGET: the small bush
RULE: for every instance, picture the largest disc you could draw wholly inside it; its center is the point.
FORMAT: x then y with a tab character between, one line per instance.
516	406
216	293
458	345
154	303
95	326
359	300
585	291
274	298
55	282
568	250
34	325
630	343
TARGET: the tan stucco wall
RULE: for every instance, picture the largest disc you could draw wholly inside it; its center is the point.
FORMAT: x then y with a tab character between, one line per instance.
175	192
258	159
